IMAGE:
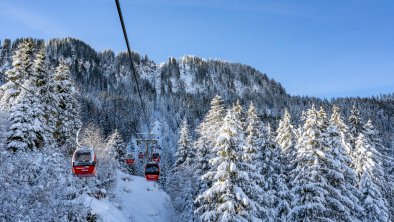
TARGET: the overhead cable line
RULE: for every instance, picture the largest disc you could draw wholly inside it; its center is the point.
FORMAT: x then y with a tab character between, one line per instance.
132	67
26	89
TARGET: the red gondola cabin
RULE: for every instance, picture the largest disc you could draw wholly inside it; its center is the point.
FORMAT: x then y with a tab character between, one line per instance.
156	157
130	159
141	155
84	162
152	171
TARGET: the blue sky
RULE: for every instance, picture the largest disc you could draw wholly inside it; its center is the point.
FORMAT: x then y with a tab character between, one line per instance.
317	48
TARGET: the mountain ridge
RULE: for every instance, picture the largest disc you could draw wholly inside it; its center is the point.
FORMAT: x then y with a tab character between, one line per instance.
179	88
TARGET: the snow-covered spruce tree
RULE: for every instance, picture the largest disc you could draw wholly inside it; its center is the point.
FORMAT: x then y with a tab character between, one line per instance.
339	149
373	137
277	196
45	111
286	140
239	113
32	193
116	143
342	128
166	163
21	135
355	127
22	68
213	120
298	128
207	131
343	198
252	159
226	200
181	185
309	186
38	108
68	121
201	163
371	181
184	154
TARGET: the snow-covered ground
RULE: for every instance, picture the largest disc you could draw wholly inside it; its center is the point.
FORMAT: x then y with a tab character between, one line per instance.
135	200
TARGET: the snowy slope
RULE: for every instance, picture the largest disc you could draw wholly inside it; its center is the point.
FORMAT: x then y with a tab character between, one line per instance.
135	200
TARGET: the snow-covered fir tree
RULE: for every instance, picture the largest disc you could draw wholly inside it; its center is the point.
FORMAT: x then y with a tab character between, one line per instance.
343	199
68	117
166	164
203	152
310	189
207	131
20	137
46	108
118	145
337	121
39	108
371	181
252	159
32	193
181	186
213	120
240	114
184	153
355	126
226	200
286	140
340	149
277	196
22	69
373	137
182	183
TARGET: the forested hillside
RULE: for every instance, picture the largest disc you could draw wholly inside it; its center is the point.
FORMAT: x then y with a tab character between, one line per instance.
220	121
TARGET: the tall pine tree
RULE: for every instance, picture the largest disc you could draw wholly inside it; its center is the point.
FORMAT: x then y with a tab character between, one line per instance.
251	160
207	131
20	137
118	145
46	96
285	139
309	186
346	181
226	200
22	65
68	121
342	200
184	153
355	126
371	181
182	183
213	120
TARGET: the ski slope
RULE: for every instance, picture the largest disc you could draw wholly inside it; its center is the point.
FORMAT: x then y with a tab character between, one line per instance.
135	200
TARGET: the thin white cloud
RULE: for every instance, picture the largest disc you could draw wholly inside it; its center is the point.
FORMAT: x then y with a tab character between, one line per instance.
31	19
